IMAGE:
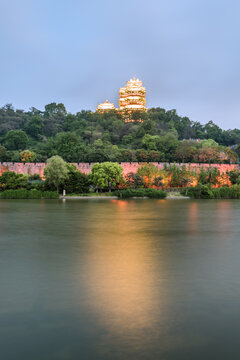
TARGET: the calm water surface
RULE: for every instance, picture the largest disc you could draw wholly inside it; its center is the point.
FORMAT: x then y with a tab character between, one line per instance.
108	279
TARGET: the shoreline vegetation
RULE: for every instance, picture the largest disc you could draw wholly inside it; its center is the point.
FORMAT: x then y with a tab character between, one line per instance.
106	180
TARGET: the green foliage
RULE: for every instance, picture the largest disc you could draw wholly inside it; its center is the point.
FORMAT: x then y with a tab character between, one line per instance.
76	182
68	146
148	170
34	126
158	181
232	192
106	175
56	171
14	194
28	194
11	180
34	194
199	192
151	175
50	195
13	156
92	137
234	176
150	193
2	153
134	181
206	192
28	156
151	142
186	151
35	177
16	140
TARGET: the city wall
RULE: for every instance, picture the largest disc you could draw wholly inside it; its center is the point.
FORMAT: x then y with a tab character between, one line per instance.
38	168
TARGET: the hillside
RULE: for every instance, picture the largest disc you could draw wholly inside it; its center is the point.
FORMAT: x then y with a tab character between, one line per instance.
162	136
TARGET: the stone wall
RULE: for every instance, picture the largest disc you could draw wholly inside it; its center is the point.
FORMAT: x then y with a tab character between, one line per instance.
38	168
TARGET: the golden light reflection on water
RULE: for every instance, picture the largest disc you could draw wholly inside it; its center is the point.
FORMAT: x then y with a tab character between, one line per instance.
224	215
120	274
193	218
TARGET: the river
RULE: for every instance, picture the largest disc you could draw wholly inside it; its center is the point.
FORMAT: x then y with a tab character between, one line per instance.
112	279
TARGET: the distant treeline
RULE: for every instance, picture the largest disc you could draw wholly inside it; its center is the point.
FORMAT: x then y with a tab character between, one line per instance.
87	136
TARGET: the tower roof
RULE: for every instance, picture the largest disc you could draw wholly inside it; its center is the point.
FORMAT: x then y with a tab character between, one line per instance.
105	106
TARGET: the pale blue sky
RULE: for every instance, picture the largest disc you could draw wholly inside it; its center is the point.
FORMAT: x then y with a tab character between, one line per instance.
187	53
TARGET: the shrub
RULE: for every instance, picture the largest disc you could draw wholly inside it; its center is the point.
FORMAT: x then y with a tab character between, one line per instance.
199	192
150	193
34	194
9	180
50	195
134	181
234	176
206	192
14	194
35	177
28	194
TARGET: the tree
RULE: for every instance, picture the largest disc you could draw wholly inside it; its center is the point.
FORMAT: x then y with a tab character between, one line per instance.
134	180
2	153
28	156
148	172
106	175
56	171
185	151
202	176
209	143
141	155
16	140
150	142
168	144
13	156
34	126
213	132
69	146
76	182
208	155
158	181
54	108
212	175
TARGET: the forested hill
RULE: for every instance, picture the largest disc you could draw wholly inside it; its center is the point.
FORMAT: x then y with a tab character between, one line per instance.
92	137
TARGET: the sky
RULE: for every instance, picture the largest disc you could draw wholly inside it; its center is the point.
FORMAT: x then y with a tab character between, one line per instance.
186	52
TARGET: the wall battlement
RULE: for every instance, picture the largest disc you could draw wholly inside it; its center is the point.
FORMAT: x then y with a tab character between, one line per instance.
38	168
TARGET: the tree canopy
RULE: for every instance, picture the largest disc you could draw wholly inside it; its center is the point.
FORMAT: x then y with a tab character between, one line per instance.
106	175
161	135
56	171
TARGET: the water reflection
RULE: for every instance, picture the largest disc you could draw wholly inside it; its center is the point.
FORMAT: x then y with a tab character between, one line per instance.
137	279
193	218
224	217
120	269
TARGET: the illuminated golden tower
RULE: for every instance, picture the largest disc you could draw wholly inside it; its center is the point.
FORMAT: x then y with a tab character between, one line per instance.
132	96
105	107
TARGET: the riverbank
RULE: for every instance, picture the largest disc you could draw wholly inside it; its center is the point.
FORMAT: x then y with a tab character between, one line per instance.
101	197
104	197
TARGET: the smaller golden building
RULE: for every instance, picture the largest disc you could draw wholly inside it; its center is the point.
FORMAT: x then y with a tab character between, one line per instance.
105	107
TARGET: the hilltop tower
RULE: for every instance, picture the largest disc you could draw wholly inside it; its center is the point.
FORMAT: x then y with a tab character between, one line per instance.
132	96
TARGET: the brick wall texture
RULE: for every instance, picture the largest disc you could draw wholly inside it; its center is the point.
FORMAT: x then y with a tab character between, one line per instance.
38	168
